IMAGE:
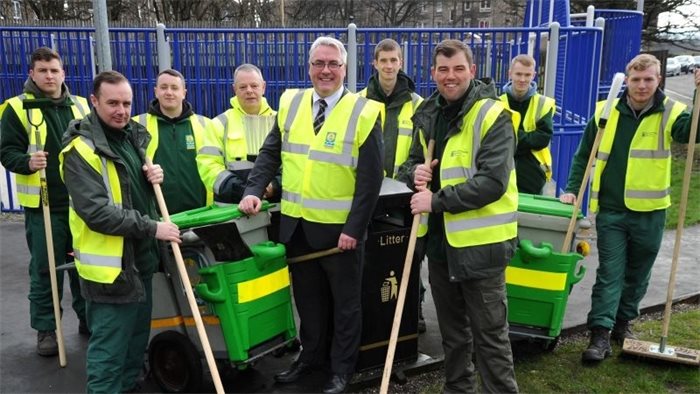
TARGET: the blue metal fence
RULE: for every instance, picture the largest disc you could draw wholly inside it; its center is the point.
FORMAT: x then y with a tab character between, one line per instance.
208	57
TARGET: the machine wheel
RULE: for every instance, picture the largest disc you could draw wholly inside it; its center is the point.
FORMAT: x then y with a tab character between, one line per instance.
175	363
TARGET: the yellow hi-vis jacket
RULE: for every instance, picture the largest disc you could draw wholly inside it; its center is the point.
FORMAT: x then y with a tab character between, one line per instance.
201	126
405	125
648	176
28	186
98	256
492	223
320	170
539	107
225	148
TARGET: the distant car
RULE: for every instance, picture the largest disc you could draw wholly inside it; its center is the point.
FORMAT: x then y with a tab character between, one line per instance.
673	67
687	63
697	62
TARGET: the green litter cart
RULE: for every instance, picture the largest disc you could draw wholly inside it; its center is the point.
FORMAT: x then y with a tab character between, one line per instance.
241	283
539	277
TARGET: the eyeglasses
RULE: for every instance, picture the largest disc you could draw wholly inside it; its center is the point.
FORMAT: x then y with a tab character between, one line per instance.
320	65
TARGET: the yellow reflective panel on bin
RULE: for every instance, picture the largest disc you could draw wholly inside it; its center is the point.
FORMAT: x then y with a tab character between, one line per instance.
260	287
535	279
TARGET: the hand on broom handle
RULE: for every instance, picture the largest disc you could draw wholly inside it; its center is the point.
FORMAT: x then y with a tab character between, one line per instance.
618	79
184	277
681	221
50	253
403	288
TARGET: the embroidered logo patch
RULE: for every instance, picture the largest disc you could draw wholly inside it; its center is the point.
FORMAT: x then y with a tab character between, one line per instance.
330	139
189	142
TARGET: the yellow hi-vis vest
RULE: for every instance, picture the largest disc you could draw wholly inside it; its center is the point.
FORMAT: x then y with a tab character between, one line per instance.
648	176
492	223
405	124
539	107
319	170
98	256
28	186
200	127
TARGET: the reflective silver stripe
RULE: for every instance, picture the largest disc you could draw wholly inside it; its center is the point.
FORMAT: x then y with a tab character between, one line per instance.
239	165
79	105
210	150
26	189
291	196
405	131
22	96
594	194
223	175
396	170
295	148
668	108
415	98
293	109
201	120
650	154
223	119
351	129
142	119
424	219
646	194
454	173
340	159
105	180
31	148
540	105
334	205
97	260
476	137
602	156
471	224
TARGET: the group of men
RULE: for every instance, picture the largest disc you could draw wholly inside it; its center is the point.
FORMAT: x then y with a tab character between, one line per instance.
334	147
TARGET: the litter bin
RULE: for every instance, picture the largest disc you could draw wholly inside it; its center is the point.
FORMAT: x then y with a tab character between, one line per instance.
385	251
546	219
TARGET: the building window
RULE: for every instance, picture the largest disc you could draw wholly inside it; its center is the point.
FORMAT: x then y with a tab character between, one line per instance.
422	8
484	23
485	5
16	9
467	5
453	15
438	6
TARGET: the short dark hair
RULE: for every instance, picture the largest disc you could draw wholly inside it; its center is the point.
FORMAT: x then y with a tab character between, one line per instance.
387	45
44	54
449	47
172	73
110	77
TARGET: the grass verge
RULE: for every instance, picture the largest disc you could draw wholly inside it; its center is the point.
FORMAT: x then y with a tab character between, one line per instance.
692	215
561	370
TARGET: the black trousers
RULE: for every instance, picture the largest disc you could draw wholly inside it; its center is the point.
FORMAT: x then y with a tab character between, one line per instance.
327	293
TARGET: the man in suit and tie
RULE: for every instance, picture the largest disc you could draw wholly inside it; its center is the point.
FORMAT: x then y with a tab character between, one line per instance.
328	142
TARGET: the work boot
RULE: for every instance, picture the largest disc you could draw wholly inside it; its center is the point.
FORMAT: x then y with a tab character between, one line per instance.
599	347
621	331
421	319
46	344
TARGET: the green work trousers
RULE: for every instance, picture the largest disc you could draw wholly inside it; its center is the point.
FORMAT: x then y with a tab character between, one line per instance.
40	300
473	318
628	243
115	353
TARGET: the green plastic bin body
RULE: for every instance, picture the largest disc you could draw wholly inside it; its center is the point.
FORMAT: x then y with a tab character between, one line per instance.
546	219
538	282
252	299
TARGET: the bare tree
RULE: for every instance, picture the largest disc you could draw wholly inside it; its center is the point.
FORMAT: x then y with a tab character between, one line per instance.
394	12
